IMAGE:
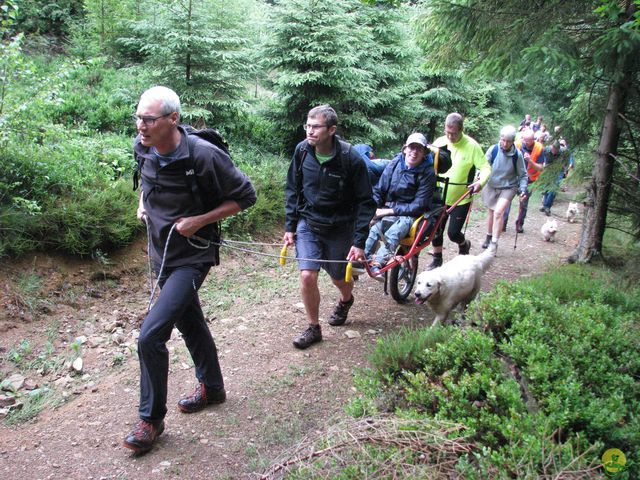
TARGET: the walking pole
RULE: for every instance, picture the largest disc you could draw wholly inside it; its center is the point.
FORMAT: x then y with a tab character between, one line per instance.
516	240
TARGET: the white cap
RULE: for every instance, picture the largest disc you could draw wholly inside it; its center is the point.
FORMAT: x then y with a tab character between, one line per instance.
416	138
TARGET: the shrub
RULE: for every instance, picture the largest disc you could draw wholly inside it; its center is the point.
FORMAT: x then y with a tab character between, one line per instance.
550	378
56	188
267	172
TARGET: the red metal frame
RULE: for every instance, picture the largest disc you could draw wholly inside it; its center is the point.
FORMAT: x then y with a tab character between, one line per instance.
415	248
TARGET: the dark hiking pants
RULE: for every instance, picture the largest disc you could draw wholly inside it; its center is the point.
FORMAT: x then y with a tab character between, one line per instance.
177	305
456	219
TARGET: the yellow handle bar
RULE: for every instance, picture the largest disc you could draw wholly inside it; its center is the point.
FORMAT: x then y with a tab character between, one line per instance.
348	277
283	256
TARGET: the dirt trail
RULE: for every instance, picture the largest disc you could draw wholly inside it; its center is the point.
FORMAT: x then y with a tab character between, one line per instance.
276	394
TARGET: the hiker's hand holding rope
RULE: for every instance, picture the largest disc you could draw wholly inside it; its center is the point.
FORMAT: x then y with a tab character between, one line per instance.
356	255
141	212
188	226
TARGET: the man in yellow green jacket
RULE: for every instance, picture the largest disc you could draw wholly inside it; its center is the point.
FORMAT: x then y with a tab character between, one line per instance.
469	170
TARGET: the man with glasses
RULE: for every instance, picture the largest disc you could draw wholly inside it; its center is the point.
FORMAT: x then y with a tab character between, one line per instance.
166	155
467	159
327	213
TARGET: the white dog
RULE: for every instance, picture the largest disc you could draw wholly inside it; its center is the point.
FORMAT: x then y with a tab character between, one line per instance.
455	282
572	211
549	229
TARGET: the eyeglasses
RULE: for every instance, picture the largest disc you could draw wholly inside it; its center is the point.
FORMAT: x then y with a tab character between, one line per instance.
148	121
308	126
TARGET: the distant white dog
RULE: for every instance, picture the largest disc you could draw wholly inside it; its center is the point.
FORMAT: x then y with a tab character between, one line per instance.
572	212
549	229
455	282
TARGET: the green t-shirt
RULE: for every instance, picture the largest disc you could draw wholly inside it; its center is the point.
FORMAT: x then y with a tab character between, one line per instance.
323	158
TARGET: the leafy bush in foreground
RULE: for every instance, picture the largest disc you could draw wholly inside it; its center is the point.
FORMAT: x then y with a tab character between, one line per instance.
548	382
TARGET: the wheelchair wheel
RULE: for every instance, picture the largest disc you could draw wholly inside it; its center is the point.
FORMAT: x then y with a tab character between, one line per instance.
401	279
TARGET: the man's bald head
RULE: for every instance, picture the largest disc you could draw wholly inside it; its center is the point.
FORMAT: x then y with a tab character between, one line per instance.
528	137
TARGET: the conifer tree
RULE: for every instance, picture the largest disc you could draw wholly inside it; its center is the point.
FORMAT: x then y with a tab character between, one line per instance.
592	42
343	53
198	49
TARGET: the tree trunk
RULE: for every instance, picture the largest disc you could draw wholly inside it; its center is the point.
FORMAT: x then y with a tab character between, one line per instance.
188	58
599	189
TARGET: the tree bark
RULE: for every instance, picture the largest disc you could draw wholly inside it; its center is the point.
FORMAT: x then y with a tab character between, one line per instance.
599	189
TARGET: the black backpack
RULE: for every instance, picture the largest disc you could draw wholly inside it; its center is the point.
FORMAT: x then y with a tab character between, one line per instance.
210	135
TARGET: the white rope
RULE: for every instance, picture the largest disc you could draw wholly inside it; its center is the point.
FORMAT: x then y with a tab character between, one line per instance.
206	244
239	242
275	255
164	257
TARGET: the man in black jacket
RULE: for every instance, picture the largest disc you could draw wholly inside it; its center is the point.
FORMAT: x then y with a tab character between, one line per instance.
328	209
175	214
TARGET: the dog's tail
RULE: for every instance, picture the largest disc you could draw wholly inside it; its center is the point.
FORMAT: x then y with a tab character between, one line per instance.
486	258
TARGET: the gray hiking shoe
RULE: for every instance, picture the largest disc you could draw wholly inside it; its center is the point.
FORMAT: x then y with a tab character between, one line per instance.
340	312
311	335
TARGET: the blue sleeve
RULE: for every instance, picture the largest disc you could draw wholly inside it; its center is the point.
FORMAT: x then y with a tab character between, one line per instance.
381	189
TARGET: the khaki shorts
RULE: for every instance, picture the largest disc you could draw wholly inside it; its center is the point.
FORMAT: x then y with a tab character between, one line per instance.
490	195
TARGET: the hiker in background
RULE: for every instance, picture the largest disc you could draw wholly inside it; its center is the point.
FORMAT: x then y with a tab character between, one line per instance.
554	154
526	123
540	137
466	159
167	205
403	193
327	212
533	153
563	144
508	178
537	125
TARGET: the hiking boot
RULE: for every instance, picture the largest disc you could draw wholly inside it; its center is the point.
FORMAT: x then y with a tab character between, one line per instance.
487	241
200	398
311	335
542	209
547	212
340	312
435	263
143	436
464	247
519	229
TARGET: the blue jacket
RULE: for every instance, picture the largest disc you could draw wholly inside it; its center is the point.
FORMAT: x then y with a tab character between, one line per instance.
408	191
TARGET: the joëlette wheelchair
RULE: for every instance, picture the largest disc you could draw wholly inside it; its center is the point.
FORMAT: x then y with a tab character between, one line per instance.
401	270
